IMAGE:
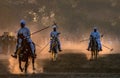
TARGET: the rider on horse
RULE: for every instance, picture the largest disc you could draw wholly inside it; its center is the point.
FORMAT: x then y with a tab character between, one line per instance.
95	34
53	34
24	33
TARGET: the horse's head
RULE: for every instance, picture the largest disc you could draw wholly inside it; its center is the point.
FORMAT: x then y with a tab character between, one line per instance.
54	38
54	41
94	44
21	36
93	40
24	42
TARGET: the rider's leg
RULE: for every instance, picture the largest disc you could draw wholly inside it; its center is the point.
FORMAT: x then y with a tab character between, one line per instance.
32	48
16	51
89	45
59	45
50	46
99	45
18	45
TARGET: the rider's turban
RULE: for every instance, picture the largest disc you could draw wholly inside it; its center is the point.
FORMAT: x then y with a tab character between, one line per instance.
22	22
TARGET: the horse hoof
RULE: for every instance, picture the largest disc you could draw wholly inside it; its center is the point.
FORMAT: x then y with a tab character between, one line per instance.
54	60
25	72
34	68
21	70
91	60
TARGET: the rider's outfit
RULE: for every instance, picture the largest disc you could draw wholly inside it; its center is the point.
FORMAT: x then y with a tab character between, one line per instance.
55	34
26	34
96	35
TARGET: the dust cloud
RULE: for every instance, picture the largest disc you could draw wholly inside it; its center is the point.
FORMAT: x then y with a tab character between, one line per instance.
75	20
14	67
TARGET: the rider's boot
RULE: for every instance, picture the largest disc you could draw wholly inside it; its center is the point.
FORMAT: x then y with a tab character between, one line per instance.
34	55
89	46
49	51
59	48
88	49
100	49
14	55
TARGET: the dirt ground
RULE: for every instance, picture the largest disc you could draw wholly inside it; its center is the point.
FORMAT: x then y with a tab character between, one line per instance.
70	64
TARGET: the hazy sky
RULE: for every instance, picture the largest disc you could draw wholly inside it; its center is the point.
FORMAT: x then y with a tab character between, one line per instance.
74	17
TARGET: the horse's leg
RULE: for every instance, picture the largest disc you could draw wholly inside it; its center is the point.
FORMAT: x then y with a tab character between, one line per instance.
20	65
26	65
92	55
33	61
96	55
55	56
52	56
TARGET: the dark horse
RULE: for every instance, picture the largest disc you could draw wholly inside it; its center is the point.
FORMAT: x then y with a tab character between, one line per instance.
94	48
54	48
25	54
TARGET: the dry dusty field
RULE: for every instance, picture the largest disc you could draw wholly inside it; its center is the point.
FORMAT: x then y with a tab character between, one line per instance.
70	64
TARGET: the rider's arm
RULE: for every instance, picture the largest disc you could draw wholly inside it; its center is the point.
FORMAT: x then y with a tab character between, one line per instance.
18	34
98	35
90	35
50	35
58	33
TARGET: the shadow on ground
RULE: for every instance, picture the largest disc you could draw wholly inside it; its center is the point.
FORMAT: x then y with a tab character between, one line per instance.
74	63
69	62
78	63
4	69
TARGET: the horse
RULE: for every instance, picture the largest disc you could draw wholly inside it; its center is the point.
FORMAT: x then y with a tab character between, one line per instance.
94	48
54	49
25	54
